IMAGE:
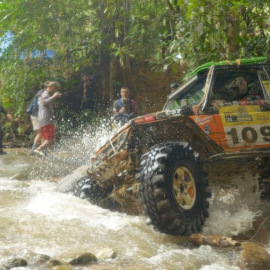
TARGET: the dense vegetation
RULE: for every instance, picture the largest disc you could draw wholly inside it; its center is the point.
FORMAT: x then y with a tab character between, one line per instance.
61	39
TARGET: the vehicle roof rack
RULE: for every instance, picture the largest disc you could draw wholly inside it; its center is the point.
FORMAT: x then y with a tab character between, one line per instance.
255	60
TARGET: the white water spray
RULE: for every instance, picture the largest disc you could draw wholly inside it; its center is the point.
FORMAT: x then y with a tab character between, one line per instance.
234	207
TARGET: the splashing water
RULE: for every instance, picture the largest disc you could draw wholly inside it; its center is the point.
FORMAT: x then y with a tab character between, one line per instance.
62	226
34	216
235	207
72	151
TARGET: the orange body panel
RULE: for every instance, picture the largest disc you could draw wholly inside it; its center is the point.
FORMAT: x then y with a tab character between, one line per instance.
237	127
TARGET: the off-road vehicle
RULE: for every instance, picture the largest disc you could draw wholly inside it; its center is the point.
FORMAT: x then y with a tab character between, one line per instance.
213	126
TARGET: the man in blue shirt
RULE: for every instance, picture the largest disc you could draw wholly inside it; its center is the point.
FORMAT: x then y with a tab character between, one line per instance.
124	108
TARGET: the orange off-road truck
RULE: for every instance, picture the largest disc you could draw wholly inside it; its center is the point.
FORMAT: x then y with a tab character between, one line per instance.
213	127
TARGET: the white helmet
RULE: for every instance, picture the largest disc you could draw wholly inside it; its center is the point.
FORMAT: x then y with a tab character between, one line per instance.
238	83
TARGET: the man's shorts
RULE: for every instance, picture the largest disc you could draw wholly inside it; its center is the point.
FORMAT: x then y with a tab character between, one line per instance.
35	122
48	132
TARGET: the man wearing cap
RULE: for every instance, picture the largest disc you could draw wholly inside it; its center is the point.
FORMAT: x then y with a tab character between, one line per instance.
46	114
33	111
173	87
175	104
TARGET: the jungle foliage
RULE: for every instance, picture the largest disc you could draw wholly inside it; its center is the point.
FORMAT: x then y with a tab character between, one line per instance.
117	33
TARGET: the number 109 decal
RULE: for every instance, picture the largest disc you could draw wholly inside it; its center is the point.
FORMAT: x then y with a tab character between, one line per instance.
246	135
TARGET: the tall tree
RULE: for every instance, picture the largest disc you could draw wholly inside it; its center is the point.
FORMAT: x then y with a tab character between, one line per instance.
114	34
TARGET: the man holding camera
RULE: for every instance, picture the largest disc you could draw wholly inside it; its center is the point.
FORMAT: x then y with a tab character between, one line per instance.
124	108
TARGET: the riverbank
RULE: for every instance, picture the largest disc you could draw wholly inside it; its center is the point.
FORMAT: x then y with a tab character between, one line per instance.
16	144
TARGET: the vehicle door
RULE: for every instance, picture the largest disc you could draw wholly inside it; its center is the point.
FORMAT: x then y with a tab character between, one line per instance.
242	123
195	99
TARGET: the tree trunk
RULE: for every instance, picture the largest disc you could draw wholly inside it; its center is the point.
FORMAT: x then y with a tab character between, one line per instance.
232	35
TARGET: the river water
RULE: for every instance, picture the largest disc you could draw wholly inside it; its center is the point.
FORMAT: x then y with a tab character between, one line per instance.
34	216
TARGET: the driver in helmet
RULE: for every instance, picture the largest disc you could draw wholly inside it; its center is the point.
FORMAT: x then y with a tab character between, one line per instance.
173	87
237	88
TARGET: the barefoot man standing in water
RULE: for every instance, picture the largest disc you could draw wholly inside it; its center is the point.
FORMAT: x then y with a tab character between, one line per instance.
45	116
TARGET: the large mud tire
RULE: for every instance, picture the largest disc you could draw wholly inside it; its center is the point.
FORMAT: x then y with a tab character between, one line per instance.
174	188
90	190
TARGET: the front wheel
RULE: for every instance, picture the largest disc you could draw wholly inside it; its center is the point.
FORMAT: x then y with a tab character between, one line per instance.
174	188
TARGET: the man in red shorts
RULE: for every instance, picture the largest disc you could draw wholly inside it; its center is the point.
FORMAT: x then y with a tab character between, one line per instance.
45	116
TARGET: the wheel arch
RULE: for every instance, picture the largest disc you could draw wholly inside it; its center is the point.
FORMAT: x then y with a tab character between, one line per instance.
180	128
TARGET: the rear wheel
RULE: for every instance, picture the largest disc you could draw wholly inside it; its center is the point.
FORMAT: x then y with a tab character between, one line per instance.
90	190
174	188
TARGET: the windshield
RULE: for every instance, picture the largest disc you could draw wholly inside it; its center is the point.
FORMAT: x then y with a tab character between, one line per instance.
190	96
